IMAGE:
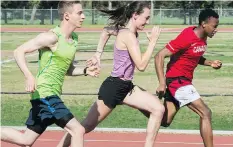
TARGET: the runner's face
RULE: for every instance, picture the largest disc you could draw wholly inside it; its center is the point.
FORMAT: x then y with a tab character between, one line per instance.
210	26
142	19
76	15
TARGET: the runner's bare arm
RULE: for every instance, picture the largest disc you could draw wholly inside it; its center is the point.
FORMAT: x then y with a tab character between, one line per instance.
216	64
43	40
105	35
141	60
79	71
159	63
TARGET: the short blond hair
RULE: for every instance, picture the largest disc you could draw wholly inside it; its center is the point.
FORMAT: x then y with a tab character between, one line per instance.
64	5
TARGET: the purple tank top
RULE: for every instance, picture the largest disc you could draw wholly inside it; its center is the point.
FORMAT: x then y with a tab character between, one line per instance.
123	65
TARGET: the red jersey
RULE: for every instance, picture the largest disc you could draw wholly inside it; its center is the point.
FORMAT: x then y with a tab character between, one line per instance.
187	49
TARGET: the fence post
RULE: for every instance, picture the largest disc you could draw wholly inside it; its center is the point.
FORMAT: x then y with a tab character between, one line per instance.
51	15
109	5
160	16
23	15
152	11
92	13
5	16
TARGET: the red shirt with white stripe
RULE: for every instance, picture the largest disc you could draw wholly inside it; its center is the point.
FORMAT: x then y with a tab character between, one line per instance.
187	49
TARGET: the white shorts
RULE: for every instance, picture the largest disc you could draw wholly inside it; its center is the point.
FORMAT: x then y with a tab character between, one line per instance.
186	94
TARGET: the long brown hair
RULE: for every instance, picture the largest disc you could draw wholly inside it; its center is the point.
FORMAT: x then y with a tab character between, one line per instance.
121	15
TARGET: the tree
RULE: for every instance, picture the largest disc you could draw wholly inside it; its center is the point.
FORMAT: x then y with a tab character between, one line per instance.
47	4
190	8
230	4
11	4
35	4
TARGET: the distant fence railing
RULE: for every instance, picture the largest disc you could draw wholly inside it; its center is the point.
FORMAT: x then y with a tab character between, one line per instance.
93	16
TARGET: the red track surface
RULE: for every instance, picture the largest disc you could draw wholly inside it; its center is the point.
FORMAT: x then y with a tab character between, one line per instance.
104	139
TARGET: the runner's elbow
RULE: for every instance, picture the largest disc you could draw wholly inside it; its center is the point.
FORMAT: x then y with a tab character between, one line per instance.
141	68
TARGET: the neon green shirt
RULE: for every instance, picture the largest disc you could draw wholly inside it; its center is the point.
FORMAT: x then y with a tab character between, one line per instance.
53	66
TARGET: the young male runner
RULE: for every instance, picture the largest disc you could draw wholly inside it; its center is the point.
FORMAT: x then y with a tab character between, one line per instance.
186	52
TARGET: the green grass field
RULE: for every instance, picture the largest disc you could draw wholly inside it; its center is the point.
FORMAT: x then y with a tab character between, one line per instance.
15	108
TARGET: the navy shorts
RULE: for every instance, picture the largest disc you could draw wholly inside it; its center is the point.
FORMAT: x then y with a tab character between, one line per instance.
114	90
47	111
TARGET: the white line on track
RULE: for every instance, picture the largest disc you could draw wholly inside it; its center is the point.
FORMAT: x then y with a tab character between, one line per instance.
133	141
11	60
135	130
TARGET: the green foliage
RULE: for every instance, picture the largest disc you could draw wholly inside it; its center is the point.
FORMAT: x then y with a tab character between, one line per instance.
14	4
96	4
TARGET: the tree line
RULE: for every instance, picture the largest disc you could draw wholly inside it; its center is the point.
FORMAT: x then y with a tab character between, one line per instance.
47	4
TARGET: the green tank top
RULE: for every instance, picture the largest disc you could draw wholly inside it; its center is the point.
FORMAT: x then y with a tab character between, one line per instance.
53	66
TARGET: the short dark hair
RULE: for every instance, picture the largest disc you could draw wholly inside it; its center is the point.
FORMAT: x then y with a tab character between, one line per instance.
121	15
64	4
206	14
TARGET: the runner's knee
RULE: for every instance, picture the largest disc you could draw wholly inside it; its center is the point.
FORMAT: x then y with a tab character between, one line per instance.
77	131
157	110
27	142
207	113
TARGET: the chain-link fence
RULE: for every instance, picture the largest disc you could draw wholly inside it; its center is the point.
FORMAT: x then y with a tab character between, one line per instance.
93	16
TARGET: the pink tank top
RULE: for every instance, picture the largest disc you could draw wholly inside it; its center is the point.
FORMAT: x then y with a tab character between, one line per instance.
123	65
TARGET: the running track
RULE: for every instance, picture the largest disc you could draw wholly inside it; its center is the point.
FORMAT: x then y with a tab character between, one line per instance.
104	139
